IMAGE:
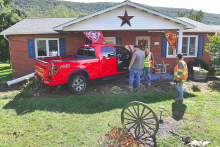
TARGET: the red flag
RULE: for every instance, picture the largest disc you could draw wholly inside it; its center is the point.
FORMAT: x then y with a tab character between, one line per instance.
171	38
95	36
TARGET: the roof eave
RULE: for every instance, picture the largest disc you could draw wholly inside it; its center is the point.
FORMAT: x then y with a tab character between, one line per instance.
187	25
26	33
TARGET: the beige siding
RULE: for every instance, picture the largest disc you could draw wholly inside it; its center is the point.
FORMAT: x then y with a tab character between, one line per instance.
110	21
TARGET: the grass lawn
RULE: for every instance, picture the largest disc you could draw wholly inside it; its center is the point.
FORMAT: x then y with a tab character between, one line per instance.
5	72
81	120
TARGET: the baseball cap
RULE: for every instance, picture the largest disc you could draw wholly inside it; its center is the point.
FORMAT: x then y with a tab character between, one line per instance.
180	55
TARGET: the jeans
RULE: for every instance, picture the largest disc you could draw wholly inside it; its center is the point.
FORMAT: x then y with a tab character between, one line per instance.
133	73
147	74
179	87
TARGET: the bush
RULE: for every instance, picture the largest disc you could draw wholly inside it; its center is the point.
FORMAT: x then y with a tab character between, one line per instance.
190	65
119	137
30	85
200	63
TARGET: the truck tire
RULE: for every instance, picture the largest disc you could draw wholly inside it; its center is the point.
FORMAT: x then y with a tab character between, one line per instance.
77	83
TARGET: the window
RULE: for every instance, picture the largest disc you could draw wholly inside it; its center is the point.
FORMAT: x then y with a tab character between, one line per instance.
109	40
89	51
108	52
47	47
189	47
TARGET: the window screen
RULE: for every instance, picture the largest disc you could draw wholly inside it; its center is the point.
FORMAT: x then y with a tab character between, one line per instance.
108	52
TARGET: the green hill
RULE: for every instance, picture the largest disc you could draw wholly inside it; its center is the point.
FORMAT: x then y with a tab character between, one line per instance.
86	8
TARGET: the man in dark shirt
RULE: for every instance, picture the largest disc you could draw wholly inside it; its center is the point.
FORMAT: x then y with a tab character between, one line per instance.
136	66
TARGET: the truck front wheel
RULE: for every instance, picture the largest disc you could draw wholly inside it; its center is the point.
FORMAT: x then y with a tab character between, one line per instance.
77	83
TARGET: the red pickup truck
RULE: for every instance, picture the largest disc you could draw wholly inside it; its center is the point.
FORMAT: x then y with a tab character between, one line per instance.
92	61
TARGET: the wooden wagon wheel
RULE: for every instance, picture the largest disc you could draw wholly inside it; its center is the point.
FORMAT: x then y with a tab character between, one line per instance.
140	119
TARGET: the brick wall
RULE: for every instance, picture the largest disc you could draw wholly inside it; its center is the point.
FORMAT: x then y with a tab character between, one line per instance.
22	65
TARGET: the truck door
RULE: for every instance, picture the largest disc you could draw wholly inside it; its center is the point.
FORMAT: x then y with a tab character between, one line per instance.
108	61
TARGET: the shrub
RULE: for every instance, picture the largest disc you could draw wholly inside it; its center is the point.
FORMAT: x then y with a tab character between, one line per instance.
201	63
116	89
30	85
190	65
119	137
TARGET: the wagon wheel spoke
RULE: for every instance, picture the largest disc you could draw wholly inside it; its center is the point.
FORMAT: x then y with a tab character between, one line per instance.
149	126
149	118
142	112
142	128
138	111
137	129
129	123
146	130
146	114
130	115
129	119
132	126
134	109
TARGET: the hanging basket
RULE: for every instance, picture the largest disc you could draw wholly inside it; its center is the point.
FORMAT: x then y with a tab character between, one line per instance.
199	74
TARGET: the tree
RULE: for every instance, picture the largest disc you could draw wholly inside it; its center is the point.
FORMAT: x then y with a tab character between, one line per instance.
213	48
60	11
82	15
181	14
8	17
199	16
34	12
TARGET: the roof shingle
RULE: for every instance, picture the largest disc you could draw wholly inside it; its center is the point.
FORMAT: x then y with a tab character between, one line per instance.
36	25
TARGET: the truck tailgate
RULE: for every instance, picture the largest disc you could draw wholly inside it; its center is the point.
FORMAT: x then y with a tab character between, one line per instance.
42	69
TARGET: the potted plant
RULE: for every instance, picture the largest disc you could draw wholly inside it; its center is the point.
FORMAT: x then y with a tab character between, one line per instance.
199	73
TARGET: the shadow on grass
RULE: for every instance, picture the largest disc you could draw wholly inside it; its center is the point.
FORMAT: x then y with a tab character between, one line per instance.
178	110
86	104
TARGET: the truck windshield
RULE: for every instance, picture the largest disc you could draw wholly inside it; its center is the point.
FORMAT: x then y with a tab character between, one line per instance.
89	51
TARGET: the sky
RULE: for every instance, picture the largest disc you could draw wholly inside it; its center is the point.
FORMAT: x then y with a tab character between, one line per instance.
210	6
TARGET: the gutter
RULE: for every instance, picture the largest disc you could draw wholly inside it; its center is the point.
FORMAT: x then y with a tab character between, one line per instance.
6	38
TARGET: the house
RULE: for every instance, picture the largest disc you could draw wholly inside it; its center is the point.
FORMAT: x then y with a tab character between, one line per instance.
37	37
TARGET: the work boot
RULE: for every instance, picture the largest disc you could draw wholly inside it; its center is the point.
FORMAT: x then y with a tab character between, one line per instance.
175	96
179	99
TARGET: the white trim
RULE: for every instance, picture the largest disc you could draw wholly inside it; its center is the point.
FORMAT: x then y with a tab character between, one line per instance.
47	46
145	37
24	33
196	47
187	25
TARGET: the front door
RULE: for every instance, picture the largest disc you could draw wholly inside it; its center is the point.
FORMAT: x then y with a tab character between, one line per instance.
108	61
143	41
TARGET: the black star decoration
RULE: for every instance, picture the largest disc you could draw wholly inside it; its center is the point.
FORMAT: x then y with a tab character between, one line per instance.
126	19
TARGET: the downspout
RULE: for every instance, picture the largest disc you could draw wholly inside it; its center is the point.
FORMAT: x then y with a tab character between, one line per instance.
8	47
6	38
